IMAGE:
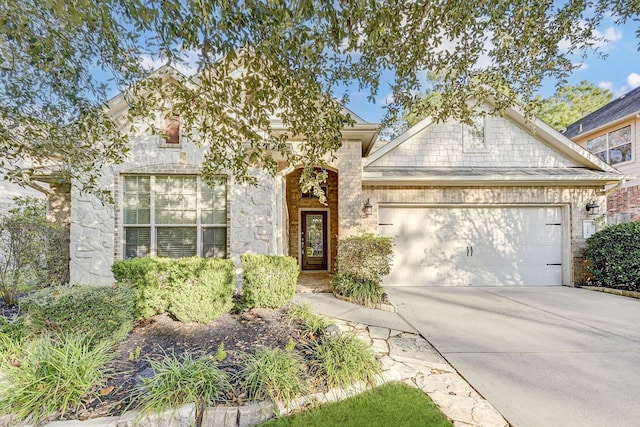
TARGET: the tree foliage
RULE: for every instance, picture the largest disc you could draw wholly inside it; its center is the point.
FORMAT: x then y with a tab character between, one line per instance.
257	59
29	248
571	103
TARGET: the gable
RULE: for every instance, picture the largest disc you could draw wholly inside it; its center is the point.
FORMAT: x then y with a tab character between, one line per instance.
448	146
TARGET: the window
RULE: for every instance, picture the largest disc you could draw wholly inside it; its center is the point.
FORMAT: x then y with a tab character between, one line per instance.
174	216
613	147
172	130
473	138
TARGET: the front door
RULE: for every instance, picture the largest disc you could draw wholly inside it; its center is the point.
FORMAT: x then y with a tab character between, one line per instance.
313	240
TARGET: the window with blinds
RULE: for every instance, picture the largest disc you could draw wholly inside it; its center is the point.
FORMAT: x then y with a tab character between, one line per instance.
174	216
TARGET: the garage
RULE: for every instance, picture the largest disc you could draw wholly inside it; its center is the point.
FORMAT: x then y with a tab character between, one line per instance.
474	245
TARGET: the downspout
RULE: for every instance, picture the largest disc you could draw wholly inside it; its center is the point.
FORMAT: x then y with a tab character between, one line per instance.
615	188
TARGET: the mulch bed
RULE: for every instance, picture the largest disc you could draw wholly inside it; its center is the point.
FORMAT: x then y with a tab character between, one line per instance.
160	336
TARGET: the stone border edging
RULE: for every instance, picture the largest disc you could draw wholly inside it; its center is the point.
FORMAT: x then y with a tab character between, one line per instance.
404	356
382	306
620	292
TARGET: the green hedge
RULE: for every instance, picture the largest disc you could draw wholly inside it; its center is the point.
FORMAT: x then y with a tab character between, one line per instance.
614	255
99	312
269	281
362	263
190	289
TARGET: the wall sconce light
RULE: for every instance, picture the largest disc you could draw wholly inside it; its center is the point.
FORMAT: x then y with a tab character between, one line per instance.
368	208
593	208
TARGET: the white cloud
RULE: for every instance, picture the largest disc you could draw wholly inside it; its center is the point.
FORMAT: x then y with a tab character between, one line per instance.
187	66
608	36
633	80
606	85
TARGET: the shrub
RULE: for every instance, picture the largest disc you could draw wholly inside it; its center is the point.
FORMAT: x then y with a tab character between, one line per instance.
269	281
146	277
177	382
56	376
29	248
362	263
99	312
363	292
614	255
273	373
313	324
344	359
190	289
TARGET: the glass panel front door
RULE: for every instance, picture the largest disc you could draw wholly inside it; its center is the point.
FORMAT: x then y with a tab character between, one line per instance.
314	240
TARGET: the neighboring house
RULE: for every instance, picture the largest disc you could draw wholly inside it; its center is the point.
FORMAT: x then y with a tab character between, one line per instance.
492	205
613	134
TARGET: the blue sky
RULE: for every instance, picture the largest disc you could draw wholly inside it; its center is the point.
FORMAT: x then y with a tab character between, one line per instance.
619	71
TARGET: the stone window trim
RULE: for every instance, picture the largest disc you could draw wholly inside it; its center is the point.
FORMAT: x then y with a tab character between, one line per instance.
163	170
172	133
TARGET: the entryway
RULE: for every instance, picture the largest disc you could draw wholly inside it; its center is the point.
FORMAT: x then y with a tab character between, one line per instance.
313	240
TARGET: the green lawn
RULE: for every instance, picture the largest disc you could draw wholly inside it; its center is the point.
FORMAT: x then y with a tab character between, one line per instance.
393	404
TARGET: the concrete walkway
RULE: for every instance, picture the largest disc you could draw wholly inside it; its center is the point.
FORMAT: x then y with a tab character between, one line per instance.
409	358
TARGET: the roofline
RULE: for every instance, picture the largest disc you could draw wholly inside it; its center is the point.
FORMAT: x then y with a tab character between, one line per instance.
489	180
635	114
406	135
558	141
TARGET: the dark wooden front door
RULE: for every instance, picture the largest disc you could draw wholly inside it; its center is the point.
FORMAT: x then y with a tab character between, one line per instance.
313	239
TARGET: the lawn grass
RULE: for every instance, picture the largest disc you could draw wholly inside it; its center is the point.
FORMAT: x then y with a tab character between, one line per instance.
393	404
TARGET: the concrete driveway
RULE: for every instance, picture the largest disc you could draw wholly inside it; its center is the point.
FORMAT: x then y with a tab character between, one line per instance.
543	356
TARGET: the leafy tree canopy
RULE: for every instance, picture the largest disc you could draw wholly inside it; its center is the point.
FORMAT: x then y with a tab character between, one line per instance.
571	103
262	58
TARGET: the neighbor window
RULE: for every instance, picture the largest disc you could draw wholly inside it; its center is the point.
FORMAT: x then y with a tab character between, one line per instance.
174	216
613	147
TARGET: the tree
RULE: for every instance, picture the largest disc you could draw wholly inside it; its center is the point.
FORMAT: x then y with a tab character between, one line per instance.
257	59
571	103
29	248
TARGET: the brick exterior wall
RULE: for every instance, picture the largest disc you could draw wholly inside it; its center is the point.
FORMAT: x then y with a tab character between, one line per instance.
296	203
624	205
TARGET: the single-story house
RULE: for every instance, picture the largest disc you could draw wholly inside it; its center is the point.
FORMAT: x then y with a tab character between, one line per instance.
498	204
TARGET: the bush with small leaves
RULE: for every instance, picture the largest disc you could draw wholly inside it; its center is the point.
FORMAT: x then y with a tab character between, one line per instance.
191	289
362	263
614	255
269	280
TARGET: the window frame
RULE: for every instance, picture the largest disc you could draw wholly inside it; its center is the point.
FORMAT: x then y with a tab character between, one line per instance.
153	226
609	147
471	141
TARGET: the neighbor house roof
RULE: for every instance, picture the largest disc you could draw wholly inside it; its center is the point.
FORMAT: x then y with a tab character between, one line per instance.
618	109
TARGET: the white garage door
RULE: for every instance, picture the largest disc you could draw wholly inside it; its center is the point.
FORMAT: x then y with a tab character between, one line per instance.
474	246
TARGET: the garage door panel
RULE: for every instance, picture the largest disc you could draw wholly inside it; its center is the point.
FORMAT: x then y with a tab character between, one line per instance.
474	246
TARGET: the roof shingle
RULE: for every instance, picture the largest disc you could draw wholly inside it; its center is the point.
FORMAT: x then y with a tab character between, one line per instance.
627	104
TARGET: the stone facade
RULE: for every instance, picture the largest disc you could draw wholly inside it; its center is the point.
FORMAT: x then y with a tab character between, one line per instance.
253	212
